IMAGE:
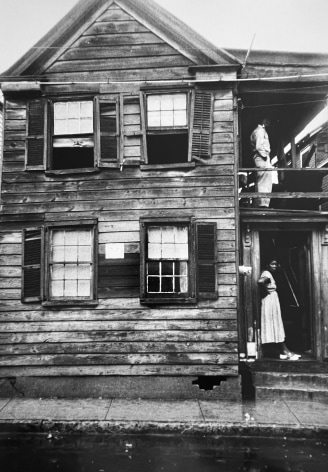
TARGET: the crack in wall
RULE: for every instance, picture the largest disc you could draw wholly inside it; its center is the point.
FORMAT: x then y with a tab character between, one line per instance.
12	381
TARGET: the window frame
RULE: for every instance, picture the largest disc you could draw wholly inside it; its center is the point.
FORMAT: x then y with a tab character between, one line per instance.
83	224
151	298
50	133
152	131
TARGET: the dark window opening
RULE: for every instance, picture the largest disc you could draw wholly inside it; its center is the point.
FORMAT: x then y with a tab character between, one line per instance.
72	158
167	148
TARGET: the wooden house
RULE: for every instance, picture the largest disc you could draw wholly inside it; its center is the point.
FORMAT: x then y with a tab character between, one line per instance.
119	227
130	240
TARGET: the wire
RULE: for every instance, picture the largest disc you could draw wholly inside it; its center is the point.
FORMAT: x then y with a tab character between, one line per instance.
184	80
282	104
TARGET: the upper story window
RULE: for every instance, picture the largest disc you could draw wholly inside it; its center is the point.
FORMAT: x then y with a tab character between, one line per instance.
159	128
73	135
167	127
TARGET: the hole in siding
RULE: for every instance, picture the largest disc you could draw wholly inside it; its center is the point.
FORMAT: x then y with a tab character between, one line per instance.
207	382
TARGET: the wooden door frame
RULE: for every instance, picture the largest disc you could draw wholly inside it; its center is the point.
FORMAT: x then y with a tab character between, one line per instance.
318	279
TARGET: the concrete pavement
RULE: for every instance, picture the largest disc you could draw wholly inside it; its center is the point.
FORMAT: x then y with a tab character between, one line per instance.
274	418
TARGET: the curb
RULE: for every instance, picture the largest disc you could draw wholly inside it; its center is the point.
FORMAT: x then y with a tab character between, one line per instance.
161	428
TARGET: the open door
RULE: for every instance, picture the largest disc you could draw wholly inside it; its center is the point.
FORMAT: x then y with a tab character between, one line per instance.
292	249
299	289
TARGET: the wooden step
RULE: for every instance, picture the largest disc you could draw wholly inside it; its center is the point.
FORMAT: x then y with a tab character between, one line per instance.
291	393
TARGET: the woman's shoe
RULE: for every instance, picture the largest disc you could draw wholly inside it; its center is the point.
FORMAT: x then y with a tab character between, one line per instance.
292	357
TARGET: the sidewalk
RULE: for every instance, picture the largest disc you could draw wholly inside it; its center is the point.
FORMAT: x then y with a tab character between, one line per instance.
274	418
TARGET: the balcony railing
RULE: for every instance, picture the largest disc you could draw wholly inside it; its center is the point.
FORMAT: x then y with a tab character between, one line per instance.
293	188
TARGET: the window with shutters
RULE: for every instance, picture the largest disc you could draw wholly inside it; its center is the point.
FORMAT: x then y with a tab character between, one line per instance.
71	264
60	267
178	261
178	126
76	134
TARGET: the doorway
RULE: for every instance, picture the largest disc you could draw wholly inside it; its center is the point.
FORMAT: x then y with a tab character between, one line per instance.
292	250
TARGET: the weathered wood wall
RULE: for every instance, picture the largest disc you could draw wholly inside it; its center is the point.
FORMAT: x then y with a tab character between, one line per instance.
120	336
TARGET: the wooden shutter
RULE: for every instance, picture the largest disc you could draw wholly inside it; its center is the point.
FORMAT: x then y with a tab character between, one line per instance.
32	256
206	250
35	142
201	131
108	112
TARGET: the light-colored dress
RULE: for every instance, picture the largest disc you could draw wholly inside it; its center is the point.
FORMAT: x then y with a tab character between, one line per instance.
261	147
272	328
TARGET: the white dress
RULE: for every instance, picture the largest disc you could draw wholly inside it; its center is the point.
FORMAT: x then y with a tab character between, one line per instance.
272	328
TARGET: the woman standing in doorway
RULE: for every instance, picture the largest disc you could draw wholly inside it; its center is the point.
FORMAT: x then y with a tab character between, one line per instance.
272	328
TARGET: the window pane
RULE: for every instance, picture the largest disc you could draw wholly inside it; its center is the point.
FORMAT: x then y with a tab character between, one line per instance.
83	288
154	251
71	238
154	102
168	251
180	101
86	125
153	268
58	253
153	284
154	234
70	271
180	118
183	284
58	238
167	102
84	254
60	110
70	254
181	251
168	234
57	288
154	119
181	268
70	288
167	284
181	235
84	271
60	127
84	237
73	109
87	109
167	268
167	119
73	126
57	272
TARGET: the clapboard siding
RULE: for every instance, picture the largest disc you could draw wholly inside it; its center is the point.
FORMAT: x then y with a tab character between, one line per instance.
119	336
117	29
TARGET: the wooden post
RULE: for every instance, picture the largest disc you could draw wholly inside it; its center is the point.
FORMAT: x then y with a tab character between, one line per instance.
295	154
